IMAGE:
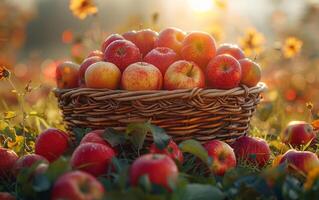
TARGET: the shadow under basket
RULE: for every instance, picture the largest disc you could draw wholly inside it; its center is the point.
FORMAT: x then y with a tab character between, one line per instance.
201	114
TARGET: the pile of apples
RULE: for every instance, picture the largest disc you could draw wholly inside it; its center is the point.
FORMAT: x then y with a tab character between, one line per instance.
171	59
92	158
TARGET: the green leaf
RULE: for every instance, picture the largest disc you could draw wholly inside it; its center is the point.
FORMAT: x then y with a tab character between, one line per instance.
79	133
202	192
41	183
161	139
57	168
137	132
196	148
145	183
114	137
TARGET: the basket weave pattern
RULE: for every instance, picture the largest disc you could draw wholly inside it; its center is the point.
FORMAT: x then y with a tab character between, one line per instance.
201	114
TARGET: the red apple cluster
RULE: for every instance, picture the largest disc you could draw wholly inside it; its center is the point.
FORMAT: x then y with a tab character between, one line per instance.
171	59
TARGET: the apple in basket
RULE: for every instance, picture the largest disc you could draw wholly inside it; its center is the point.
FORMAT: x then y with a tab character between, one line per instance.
77	185
251	72
161	57
184	74
142	76
85	65
159	168
231	49
199	47
103	75
67	75
144	39
223	157
109	40
223	72
122	53
172	38
298	133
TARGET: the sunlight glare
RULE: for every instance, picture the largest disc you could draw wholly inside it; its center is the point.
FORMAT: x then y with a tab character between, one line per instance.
200	5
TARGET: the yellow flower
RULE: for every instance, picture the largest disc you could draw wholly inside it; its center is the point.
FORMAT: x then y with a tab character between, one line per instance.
4	73
291	47
312	177
82	8
252	42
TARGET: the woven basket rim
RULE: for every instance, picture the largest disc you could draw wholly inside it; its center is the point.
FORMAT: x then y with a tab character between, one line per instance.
242	89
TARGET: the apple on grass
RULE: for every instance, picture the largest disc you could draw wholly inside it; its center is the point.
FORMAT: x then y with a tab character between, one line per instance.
103	75
159	168
67	75
161	57
251	72
298	133
172	38
144	39
109	40
27	161
85	65
231	49
223	72
122	53
7	160
251	150
51	144
6	196
198	47
142	76
300	161
171	150
184	74
93	158
223	157
77	185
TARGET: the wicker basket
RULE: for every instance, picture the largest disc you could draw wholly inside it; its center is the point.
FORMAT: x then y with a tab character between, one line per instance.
201	114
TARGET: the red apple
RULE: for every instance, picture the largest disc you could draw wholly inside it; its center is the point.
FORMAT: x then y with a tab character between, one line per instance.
298	133
231	49
304	161
184	74
96	53
223	157
103	75
122	53
7	160
95	136
171	150
172	38
143	39
85	65
159	168
252	150
93	158
77	185
67	75
198	47
161	57
51	144
251	72
223	72
142	76
109	40
28	160
6	196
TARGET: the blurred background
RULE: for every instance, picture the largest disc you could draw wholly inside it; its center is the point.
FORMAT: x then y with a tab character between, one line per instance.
282	35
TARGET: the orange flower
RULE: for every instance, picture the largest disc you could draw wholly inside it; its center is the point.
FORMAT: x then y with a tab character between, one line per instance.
4	73
82	8
252	42
315	124
291	47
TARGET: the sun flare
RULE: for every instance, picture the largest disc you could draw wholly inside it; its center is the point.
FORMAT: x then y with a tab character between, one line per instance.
201	5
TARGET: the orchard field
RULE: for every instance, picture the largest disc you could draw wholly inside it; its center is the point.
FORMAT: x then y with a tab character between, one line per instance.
89	48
